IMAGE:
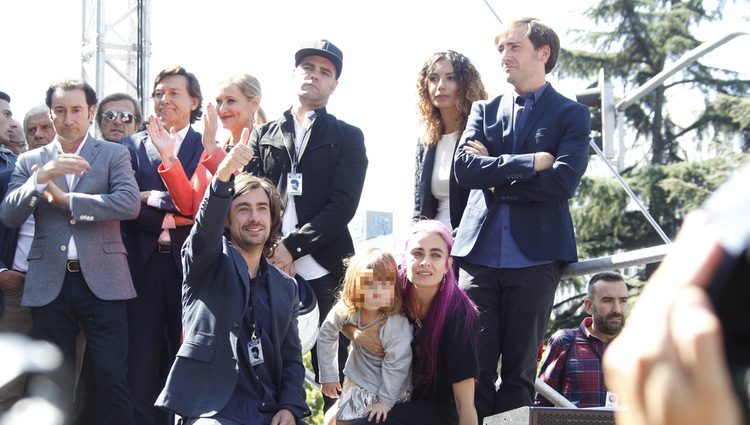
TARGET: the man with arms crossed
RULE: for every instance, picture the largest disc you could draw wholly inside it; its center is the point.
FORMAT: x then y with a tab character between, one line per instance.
516	231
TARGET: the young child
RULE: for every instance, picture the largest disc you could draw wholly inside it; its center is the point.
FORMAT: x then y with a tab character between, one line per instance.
373	384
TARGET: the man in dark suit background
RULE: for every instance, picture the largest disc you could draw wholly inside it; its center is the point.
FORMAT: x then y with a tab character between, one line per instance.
77	263
325	159
241	362
516	231
154	240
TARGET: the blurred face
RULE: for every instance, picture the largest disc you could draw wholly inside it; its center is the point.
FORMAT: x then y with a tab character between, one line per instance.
249	220
378	294
6	119
71	116
521	62
118	120
442	85
39	130
609	306
316	80
427	260
172	102
236	110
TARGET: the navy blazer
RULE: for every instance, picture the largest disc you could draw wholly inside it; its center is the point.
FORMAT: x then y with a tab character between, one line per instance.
539	215
142	234
333	164
8	235
425	204
215	296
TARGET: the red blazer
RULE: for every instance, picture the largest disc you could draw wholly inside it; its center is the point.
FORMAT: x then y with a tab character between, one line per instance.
187	195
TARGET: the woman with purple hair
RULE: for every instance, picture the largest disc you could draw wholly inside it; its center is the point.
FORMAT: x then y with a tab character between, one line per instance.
445	363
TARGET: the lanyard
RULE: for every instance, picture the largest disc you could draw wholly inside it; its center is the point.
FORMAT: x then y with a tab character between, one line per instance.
301	137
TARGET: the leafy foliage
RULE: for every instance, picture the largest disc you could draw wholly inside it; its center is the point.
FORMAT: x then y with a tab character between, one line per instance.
640	38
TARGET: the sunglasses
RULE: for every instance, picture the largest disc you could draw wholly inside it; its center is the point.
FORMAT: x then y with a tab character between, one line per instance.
125	116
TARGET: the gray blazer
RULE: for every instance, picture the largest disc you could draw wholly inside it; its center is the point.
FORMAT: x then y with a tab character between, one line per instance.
102	197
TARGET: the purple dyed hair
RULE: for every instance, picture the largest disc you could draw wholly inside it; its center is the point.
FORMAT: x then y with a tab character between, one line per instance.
449	301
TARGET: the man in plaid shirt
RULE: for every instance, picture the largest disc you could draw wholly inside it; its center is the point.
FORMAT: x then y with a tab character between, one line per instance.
573	365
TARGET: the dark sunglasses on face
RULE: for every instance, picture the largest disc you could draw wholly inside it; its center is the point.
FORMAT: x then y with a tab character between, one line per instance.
125	116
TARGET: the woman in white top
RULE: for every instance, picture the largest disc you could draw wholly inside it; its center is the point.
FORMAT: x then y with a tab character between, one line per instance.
447	86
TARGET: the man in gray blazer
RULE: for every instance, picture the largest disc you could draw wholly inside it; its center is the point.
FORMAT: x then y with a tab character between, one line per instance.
240	361
78	189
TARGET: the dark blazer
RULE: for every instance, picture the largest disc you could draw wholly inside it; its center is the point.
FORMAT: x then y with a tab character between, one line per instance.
425	204
8	235
142	234
215	295
540	219
333	164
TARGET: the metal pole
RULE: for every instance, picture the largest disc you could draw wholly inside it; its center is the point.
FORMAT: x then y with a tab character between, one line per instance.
684	62
100	31
630	193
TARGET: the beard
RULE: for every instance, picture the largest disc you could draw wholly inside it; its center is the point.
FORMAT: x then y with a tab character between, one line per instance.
603	325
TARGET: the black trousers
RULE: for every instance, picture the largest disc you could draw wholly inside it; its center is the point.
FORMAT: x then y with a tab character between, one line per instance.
155	323
325	289
106	328
514	307
418	412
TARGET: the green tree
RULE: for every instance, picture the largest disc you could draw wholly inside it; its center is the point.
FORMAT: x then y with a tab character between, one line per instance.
641	37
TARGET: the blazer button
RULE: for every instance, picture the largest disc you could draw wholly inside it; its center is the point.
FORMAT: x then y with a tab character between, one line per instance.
63	248
236	325
72	221
299	249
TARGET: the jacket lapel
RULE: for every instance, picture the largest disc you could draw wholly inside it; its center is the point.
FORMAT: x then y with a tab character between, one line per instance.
48	153
88	152
505	112
537	111
190	151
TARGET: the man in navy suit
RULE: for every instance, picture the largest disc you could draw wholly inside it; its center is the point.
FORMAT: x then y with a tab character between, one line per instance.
516	231
241	362
154	240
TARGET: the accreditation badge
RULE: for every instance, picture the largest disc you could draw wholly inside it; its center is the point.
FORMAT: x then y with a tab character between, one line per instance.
255	352
294	184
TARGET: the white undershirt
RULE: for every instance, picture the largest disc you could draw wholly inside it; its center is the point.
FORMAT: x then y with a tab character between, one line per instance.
441	174
306	266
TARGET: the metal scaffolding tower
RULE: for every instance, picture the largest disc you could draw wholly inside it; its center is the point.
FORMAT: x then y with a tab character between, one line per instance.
116	47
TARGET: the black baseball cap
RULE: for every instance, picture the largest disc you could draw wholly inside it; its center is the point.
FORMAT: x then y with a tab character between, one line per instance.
322	48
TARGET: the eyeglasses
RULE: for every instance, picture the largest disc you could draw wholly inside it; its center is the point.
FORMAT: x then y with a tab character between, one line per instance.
125	116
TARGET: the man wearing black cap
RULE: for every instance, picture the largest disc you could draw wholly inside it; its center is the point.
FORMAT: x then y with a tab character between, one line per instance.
325	158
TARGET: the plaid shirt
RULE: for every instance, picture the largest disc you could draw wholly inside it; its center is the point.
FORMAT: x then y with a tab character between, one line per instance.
573	367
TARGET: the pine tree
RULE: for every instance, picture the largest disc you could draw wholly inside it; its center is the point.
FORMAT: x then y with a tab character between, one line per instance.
640	39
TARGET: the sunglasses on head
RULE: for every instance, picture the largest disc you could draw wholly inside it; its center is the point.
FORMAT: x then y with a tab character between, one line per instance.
125	116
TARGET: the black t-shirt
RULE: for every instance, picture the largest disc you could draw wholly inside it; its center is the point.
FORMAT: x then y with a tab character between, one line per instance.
457	359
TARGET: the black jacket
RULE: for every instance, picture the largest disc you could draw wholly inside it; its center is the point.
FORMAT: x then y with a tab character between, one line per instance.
425	204
333	164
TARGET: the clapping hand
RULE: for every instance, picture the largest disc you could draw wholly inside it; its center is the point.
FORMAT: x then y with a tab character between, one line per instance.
210	127
162	139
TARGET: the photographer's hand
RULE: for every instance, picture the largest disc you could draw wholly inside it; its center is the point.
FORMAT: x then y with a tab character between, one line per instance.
668	365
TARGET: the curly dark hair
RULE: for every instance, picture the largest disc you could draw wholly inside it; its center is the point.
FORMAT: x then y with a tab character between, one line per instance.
470	86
